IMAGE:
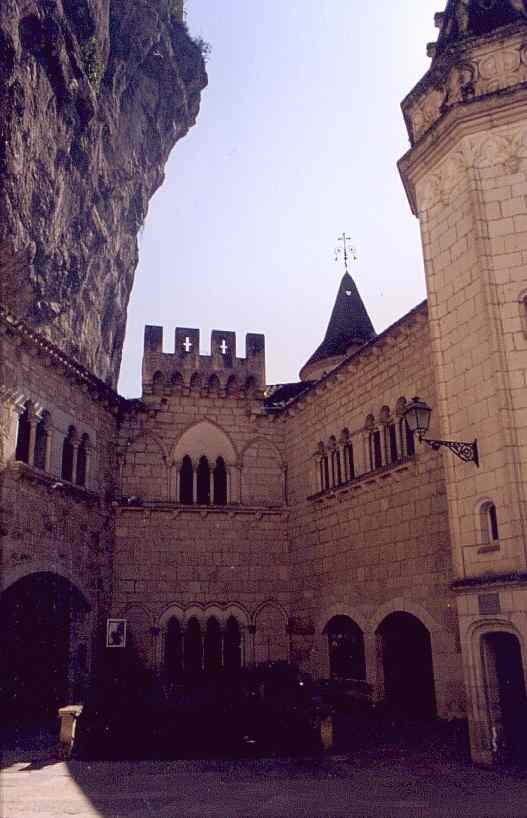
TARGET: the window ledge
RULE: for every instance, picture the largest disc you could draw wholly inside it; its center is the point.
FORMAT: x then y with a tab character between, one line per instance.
23	471
233	509
368	478
489	549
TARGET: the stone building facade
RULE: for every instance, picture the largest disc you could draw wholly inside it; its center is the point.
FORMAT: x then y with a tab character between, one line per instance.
230	522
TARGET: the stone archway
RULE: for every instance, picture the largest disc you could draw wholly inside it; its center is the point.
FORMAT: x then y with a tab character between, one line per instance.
44	644
406	653
506	695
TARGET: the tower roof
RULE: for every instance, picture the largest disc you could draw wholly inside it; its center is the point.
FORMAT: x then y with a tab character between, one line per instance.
349	323
470	18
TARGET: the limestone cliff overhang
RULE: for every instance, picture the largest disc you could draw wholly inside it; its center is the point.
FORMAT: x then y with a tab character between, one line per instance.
49	355
478	76
417	314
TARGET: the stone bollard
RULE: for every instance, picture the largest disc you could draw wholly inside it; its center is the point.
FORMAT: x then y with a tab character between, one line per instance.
68	723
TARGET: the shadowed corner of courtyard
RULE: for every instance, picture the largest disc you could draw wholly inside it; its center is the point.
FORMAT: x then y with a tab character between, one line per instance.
384	769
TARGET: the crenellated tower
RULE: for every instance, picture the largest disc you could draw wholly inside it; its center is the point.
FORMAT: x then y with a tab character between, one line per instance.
221	373
466	178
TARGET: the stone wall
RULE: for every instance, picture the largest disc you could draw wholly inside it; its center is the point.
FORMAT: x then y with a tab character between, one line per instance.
207	558
48	523
379	543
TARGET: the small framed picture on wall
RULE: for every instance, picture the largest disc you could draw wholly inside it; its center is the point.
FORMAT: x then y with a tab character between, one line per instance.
116	633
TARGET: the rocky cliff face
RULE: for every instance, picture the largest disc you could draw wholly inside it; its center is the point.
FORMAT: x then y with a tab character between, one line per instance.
93	96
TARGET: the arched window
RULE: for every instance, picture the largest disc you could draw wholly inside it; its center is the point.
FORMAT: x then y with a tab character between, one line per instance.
220	483
24	428
489	522
349	460
186	482
391	443
41	441
212	648
214	384
82	460
232	386
375	450
232	651
407	438
195	382
173	652
203	482
193	649
68	453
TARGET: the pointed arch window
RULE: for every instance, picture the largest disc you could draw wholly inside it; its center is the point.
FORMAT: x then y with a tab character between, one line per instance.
68	454
203	482
24	429
186	482
220	483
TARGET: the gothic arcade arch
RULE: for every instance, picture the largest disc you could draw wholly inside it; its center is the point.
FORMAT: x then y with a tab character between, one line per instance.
262	473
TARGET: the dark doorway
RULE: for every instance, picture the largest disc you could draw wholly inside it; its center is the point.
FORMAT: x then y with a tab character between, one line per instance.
212	652
506	696
193	648
408	669
173	653
232	650
37	658
346	649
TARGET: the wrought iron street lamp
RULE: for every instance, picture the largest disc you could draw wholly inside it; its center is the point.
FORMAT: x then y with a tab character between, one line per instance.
417	415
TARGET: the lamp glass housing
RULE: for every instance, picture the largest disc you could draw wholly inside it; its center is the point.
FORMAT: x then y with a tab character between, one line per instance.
418	416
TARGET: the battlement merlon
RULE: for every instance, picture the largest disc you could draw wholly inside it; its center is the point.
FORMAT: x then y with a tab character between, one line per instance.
177	369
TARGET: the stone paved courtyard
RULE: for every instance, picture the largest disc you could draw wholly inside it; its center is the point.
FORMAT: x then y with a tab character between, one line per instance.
388	783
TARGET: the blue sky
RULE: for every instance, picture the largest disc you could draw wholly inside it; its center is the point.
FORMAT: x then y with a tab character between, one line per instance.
297	141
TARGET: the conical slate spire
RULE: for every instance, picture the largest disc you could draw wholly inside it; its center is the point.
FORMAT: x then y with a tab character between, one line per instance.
349	324
470	18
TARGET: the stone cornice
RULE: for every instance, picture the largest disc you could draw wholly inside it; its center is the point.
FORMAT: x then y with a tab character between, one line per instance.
467	119
50	355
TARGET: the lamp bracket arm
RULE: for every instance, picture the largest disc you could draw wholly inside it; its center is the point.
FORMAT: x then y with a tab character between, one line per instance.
468	452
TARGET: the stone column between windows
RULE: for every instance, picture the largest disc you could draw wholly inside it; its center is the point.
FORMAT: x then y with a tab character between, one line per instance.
75	447
88	449
33	422
211	486
194	484
228	481
48	449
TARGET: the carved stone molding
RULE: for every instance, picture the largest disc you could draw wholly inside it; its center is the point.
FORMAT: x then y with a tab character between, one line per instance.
471	70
